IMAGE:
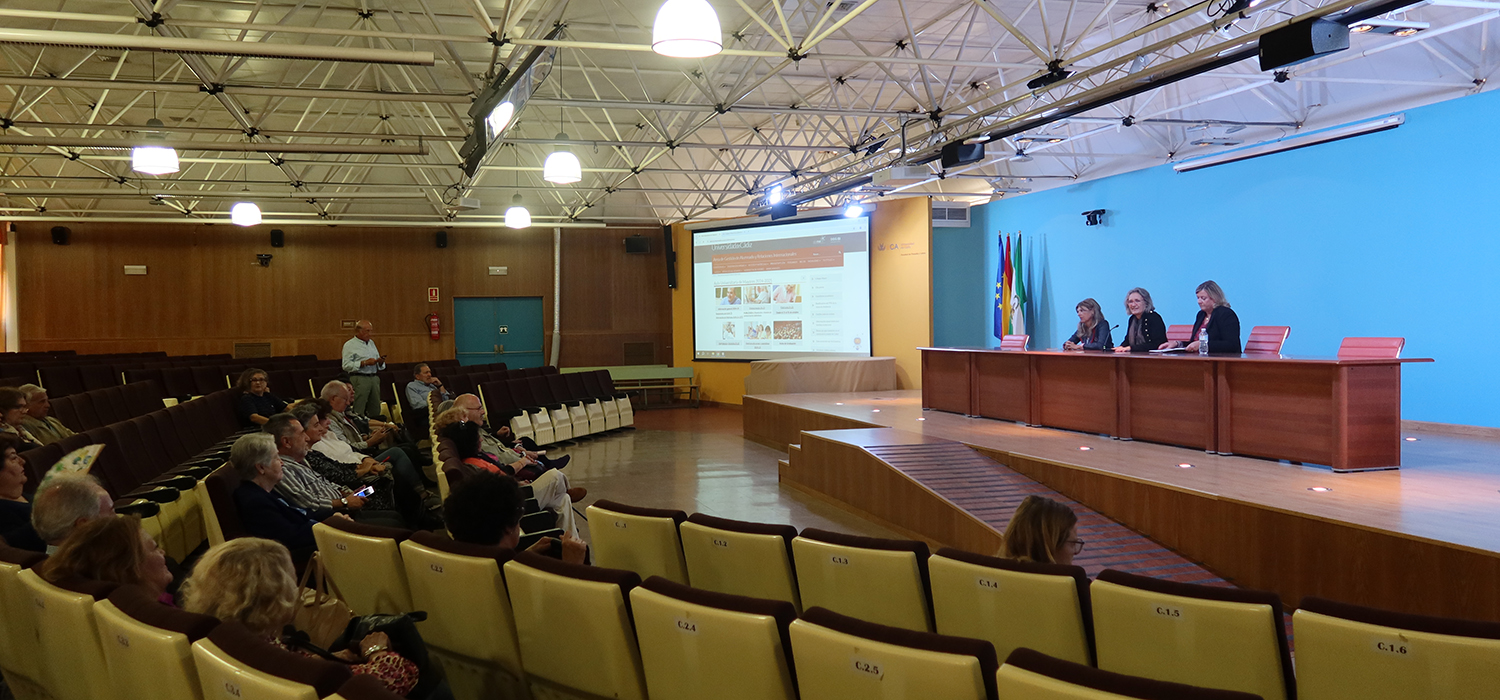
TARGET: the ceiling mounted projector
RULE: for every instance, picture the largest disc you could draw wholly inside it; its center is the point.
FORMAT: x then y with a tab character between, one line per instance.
900	175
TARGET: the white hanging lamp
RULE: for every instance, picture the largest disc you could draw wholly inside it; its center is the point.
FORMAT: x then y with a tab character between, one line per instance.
517	216
154	159
562	167
686	29
245	214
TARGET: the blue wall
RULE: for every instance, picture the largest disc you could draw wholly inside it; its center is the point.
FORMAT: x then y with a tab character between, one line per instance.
1388	234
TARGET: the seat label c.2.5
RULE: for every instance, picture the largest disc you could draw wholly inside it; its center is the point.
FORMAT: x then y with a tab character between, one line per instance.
867	668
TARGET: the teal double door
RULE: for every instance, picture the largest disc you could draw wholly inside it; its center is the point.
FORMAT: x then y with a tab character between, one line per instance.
498	329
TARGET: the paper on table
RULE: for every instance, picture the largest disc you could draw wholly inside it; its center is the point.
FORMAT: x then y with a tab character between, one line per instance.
1170	350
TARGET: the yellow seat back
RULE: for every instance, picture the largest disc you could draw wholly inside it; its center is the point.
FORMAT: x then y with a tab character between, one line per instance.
72	662
643	540
698	644
882	581
211	527
1224	638
1032	675
364	561
1347	651
469	624
1012	604
840	658
236	664
150	657
739	558
19	657
574	629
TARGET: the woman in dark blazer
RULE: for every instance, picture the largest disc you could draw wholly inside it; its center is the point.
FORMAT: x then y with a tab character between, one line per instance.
1222	323
1146	331
1093	330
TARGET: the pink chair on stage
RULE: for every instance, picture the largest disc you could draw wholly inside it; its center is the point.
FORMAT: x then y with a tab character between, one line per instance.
1371	348
1014	342
1267	339
1181	334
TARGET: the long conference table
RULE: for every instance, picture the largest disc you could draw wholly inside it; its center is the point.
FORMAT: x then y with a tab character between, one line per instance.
1342	413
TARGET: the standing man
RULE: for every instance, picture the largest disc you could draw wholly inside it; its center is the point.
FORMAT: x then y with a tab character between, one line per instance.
362	361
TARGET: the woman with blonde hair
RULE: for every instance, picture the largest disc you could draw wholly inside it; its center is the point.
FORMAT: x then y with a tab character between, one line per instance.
114	550
1216	319
251	581
1093	330
1043	531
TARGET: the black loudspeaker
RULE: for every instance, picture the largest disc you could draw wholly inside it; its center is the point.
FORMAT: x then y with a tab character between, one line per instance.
666	242
60	234
442	239
956	154
637	244
1302	41
278	238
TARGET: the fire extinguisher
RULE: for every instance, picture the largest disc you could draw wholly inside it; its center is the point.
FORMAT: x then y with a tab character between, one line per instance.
434	327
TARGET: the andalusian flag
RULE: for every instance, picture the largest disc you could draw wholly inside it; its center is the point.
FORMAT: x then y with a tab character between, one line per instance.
1017	293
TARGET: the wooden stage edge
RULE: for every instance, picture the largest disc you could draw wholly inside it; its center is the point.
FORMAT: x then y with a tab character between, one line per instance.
1252	545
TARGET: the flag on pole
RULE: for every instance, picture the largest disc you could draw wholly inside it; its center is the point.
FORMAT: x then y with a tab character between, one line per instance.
1017	292
1001	293
1007	277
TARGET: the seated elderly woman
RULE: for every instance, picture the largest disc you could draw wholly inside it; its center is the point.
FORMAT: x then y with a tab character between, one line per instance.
114	550
15	510
251	581
263	511
13	407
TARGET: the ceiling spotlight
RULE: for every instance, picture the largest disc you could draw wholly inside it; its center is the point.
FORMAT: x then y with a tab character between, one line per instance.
1393	27
1217	142
499	118
562	167
776	194
854	210
1405	31
517	216
153	159
1020	157
686	29
1361	28
244	214
1054	74
1043	138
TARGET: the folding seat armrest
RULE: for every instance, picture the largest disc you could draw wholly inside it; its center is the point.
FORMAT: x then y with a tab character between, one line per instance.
539	521
144	509
528	493
532	538
529	506
156	494
179	482
196	473
555	407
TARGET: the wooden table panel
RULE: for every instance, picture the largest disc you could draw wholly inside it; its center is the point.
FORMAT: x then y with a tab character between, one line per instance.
1075	392
1277	410
1371	435
1168	400
946	382
1002	386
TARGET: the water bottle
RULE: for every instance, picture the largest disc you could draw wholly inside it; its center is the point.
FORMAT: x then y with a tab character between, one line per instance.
1202	341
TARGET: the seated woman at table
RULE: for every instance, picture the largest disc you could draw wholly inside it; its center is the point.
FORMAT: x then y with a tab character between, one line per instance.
1146	331
1093	330
1214	314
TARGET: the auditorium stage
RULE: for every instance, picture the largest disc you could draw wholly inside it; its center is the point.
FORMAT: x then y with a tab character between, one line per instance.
1424	539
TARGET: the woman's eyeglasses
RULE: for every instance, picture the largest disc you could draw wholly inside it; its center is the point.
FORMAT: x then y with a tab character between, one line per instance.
1077	546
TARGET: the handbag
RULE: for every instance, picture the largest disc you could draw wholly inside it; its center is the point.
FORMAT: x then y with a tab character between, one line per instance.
321	612
406	640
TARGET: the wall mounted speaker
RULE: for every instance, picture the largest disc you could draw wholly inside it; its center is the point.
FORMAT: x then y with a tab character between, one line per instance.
637	244
60	234
441	239
1302	41
278	238
666	237
956	154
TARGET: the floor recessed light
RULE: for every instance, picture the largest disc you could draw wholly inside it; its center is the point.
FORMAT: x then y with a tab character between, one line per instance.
1411	439
874	410
1319	489
838	403
1185	465
1085	448
921	419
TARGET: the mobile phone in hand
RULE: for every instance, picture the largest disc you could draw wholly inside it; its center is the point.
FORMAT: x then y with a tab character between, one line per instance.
364	492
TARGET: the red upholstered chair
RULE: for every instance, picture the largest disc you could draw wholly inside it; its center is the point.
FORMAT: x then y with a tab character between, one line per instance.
1267	339
1014	342
1182	333
1371	348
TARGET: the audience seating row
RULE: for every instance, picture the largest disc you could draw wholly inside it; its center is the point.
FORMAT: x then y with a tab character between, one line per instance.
553	408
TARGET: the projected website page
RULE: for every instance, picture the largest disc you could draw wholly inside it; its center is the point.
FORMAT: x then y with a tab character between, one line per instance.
782	290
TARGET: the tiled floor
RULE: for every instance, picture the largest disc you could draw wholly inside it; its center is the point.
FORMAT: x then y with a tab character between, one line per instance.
695	460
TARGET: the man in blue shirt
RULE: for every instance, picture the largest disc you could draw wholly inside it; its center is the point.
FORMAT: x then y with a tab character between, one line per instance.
362	361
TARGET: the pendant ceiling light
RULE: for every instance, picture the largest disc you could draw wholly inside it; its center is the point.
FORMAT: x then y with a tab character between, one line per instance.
244	214
500	117
562	167
686	29
153	159
517	216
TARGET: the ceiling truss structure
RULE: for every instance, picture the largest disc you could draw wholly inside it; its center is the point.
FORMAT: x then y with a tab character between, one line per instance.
353	111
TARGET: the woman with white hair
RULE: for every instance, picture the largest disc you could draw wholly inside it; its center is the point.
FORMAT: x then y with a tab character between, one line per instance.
263	511
1145	331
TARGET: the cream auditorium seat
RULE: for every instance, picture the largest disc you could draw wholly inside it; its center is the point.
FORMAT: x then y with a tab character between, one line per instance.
72	660
148	646
221	518
237	664
20	659
470	628
841	658
1225	638
740	558
1013	604
1032	675
1349	651
877	580
364	561
699	644
574	629
362	687
643	540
